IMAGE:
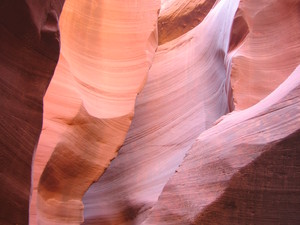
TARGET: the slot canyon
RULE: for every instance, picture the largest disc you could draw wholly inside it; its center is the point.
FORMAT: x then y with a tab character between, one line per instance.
150	112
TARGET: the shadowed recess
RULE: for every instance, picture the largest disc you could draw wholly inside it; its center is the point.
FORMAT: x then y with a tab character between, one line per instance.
181	17
264	192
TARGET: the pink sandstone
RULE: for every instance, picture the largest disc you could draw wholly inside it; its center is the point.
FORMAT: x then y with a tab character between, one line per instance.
104	78
158	112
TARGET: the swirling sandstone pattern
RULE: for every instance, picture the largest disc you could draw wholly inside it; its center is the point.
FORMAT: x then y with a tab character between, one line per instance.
179	101
269	52
244	170
151	127
107	77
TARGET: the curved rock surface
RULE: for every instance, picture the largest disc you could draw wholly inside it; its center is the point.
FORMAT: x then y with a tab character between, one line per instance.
151	127
178	17
244	170
270	51
29	50
95	85
61	104
179	101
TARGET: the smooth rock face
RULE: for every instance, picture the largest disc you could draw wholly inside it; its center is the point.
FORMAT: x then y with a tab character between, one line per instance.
244	170
267	48
179	101
29	50
93	91
137	134
59	98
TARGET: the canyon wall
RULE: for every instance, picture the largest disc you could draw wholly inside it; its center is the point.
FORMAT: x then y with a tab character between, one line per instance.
158	112
265	45
179	101
29	50
244	170
107	50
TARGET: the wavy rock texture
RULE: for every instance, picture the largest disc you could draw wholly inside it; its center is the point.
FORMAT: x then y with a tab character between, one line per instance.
180	156
91	100
244	170
265	48
29	50
179	101
62	98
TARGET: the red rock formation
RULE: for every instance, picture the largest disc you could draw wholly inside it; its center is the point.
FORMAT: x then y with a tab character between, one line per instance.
58	99
107	72
181	161
244	170
29	50
179	101
269	52
178	17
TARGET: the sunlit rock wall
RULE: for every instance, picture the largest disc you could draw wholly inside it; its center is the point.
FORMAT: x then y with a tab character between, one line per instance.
159	112
179	101
107	50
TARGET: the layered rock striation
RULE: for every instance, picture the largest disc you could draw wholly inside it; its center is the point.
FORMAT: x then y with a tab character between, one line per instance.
265	48
243	170
158	112
29	50
179	101
107	49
